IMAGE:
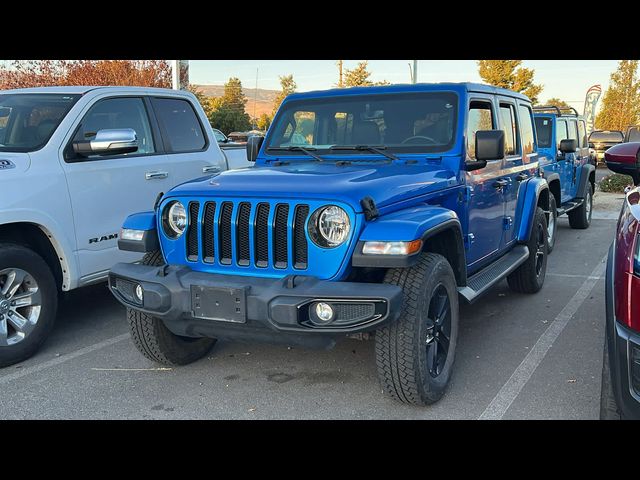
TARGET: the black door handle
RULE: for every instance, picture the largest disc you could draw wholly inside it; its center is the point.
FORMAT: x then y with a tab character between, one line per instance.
500	183
521	177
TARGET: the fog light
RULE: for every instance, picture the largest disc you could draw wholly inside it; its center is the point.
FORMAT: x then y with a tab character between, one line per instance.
324	312
139	292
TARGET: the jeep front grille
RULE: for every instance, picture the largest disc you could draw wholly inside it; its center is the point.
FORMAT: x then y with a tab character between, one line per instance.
239	233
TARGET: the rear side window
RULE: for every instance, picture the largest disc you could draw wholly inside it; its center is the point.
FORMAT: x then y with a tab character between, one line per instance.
582	134
543	129
509	126
526	129
561	132
573	131
480	118
180	126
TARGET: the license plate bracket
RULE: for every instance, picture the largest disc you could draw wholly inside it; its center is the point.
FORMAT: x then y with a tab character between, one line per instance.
224	304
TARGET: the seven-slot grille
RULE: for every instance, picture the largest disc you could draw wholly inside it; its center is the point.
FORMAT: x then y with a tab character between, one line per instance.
225	230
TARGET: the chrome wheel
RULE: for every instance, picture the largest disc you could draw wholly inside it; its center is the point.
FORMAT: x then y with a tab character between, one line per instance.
20	305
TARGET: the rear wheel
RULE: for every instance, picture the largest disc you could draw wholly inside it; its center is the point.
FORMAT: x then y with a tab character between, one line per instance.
552	224
155	341
28	303
415	354
529	277
581	217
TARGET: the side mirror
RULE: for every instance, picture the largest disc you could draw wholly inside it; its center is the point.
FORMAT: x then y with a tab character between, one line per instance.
624	158
568	145
108	142
253	147
489	146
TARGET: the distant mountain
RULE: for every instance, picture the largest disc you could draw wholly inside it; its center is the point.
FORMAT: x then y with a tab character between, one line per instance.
263	98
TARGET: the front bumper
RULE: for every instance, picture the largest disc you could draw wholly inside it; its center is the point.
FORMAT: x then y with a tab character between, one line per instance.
251	307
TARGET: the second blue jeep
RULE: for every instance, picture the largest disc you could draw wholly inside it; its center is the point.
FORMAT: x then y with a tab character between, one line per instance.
369	210
562	138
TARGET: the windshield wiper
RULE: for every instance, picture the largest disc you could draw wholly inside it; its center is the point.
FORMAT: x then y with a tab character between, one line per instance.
293	148
379	149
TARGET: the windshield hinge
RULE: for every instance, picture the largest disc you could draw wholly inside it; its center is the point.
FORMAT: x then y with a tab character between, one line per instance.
369	208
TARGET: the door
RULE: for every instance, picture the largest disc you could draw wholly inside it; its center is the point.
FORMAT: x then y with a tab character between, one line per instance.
104	190
583	156
573	161
564	161
486	202
520	163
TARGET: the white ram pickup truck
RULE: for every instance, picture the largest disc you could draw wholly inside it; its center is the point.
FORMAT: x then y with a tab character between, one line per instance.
74	163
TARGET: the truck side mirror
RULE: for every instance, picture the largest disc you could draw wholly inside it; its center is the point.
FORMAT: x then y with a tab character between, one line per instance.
253	147
489	146
108	142
624	158
568	145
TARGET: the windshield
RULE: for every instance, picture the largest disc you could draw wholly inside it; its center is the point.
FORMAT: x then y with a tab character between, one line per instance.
27	120
606	136
411	123
543	129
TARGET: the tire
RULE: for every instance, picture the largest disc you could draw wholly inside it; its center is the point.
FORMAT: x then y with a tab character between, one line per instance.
581	217
552	224
18	345
155	341
608	405
529	277
405	348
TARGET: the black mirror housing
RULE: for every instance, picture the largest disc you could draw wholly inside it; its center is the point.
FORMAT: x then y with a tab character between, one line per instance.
253	147
489	145
568	145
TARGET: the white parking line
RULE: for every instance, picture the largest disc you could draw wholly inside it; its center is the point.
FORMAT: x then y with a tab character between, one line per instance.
62	359
570	275
512	388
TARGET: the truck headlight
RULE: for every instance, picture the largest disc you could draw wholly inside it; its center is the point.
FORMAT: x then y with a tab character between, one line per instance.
329	226
174	219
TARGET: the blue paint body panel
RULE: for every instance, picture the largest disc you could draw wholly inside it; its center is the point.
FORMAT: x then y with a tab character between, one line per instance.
408	224
141	221
527	206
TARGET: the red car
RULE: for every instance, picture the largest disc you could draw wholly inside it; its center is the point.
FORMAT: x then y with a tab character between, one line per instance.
621	370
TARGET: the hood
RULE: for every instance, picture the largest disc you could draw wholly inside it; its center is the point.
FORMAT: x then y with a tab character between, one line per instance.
13	164
385	183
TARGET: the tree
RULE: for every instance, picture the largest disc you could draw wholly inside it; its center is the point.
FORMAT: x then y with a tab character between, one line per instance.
621	102
228	111
359	76
557	103
509	74
287	87
206	102
43	73
264	122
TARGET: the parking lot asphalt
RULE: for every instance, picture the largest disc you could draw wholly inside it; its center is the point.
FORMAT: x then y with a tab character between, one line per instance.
519	357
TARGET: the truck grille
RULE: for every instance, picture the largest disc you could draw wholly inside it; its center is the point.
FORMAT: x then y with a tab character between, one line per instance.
243	233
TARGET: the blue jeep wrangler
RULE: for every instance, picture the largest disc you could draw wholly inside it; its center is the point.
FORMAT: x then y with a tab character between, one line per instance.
369	209
562	139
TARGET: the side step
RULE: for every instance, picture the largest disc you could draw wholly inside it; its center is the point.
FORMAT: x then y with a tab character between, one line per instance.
482	281
567	207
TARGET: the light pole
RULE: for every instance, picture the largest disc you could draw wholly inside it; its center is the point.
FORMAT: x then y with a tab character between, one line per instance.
414	77
175	74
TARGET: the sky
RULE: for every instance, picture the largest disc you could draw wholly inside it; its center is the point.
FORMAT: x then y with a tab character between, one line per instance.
564	79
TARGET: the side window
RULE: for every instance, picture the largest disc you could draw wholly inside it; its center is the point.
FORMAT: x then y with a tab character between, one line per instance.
526	130
480	118
573	130
561	132
582	134
508	120
301	130
113	113
179	124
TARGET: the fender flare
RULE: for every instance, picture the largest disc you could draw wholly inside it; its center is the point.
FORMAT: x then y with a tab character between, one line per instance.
585	172
536	188
146	222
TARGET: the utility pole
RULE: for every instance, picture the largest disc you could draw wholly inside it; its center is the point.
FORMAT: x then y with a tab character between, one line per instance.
414	77
255	101
175	74
340	84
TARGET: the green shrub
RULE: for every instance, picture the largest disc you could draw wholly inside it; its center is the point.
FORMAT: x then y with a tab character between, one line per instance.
615	183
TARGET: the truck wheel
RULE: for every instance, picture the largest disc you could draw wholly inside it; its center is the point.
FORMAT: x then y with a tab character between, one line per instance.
155	341
581	217
529	277
415	354
608	405
28	303
552	224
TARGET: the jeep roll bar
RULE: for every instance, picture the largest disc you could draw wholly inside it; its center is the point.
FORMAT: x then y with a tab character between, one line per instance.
557	110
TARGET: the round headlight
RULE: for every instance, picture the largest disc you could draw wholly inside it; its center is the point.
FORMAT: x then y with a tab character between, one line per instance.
175	219
329	226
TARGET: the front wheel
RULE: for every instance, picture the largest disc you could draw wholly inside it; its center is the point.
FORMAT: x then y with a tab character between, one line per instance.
28	303
581	217
415	354
155	341
529	277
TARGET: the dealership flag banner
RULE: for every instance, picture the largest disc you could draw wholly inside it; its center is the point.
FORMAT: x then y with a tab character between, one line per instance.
590	101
